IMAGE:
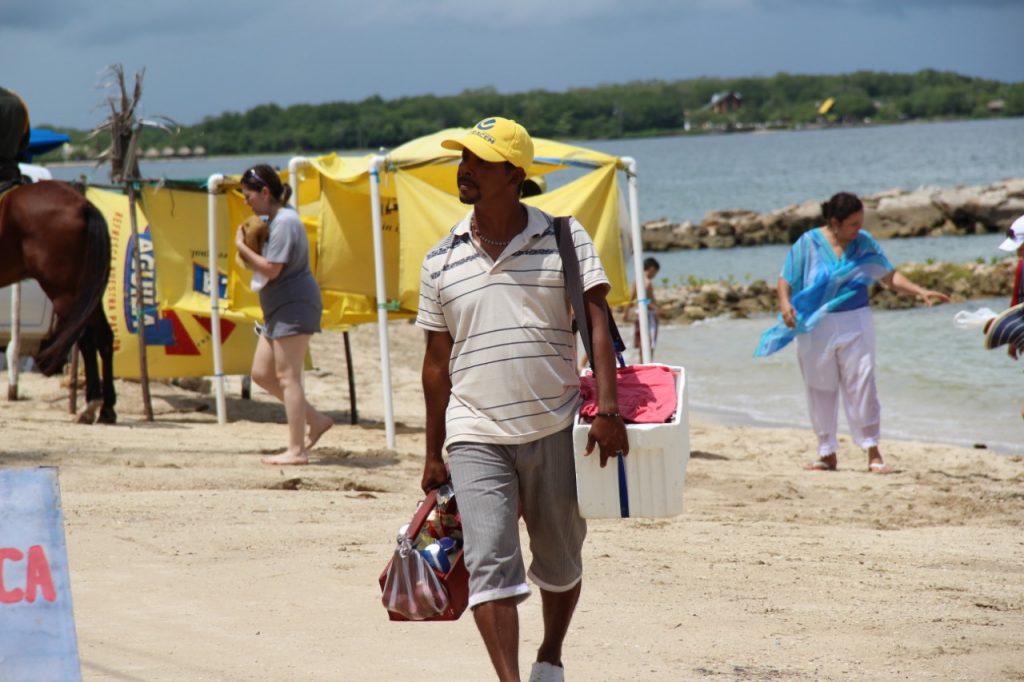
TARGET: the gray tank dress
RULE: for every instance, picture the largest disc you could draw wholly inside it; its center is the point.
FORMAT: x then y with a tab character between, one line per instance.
291	301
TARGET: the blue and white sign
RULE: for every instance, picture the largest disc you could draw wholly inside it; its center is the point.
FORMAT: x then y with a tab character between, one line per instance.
37	624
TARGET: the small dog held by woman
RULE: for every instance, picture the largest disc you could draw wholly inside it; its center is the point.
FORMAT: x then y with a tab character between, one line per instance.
255	234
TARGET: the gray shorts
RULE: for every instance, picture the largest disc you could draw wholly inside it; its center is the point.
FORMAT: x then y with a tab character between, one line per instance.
490	481
292	319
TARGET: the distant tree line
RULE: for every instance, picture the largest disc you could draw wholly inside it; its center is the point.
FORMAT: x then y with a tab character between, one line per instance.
636	109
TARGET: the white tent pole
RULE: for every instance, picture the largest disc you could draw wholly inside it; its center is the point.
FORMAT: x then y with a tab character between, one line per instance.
293	175
14	345
376	163
293	201
638	261
212	185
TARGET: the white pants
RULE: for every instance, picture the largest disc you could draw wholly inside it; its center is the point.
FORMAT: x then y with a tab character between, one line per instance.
839	356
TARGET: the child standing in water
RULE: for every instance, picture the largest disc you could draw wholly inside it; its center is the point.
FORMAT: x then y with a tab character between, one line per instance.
651	269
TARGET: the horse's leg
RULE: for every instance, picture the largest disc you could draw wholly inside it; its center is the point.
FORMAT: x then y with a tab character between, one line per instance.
87	346
105	345
50	362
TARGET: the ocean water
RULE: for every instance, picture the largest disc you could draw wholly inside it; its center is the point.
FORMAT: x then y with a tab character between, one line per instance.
682	178
936	381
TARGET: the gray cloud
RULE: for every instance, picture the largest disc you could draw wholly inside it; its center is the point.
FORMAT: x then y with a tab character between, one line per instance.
894	6
119	22
482	16
40	15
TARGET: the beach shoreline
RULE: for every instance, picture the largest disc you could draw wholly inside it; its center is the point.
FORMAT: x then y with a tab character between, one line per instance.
190	560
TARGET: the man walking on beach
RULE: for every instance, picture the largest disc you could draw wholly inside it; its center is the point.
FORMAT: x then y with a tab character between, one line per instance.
501	393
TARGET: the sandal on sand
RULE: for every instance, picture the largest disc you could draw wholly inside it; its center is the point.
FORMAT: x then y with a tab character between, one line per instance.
880	468
819	465
545	672
285	460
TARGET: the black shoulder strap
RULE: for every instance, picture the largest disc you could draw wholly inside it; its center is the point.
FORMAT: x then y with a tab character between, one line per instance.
574	285
571	269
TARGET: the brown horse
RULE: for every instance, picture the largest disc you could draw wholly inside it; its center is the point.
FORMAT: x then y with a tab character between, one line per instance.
50	233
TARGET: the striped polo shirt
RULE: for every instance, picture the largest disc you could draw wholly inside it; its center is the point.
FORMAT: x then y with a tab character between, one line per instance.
513	363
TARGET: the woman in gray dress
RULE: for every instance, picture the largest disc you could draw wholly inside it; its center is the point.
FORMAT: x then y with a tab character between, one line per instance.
291	305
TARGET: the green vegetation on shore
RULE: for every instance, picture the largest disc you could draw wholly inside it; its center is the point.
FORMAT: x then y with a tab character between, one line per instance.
642	108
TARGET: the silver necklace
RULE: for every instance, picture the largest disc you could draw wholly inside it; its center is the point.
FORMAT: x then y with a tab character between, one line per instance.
481	237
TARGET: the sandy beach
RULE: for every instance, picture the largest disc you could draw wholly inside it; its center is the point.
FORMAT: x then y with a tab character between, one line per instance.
192	561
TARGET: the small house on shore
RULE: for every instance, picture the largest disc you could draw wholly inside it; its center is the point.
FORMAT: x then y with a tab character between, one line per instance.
725	102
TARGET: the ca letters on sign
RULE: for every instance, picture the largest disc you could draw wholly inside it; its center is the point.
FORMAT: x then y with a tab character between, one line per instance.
37	626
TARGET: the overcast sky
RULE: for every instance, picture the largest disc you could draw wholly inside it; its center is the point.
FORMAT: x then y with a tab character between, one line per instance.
204	57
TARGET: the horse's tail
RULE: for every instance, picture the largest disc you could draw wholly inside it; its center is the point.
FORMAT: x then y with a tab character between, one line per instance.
95	272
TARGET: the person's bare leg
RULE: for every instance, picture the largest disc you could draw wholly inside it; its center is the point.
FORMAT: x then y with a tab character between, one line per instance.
264	373
289	354
319	424
498	623
558	608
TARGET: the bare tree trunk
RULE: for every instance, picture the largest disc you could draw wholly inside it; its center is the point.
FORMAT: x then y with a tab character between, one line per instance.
125	129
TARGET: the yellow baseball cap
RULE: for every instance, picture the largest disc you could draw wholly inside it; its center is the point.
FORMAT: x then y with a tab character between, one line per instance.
495	140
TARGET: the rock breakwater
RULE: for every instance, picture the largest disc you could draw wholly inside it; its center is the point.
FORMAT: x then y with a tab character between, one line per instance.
896	213
684	304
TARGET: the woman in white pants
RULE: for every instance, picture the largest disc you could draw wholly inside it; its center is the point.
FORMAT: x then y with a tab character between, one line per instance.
823	300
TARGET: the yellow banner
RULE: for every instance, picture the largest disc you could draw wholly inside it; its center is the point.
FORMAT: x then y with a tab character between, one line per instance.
175	287
594	200
428	213
231	211
345	269
420	177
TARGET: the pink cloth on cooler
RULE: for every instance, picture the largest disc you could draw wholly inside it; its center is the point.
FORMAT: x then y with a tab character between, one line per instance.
647	394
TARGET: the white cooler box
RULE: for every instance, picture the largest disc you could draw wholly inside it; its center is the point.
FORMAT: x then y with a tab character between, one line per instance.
646	483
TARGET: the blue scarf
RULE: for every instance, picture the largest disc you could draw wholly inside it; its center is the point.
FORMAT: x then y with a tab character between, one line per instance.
829	290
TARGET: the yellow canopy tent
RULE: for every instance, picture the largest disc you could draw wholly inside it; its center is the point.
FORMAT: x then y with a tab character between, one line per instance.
422	175
419	177
397	205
